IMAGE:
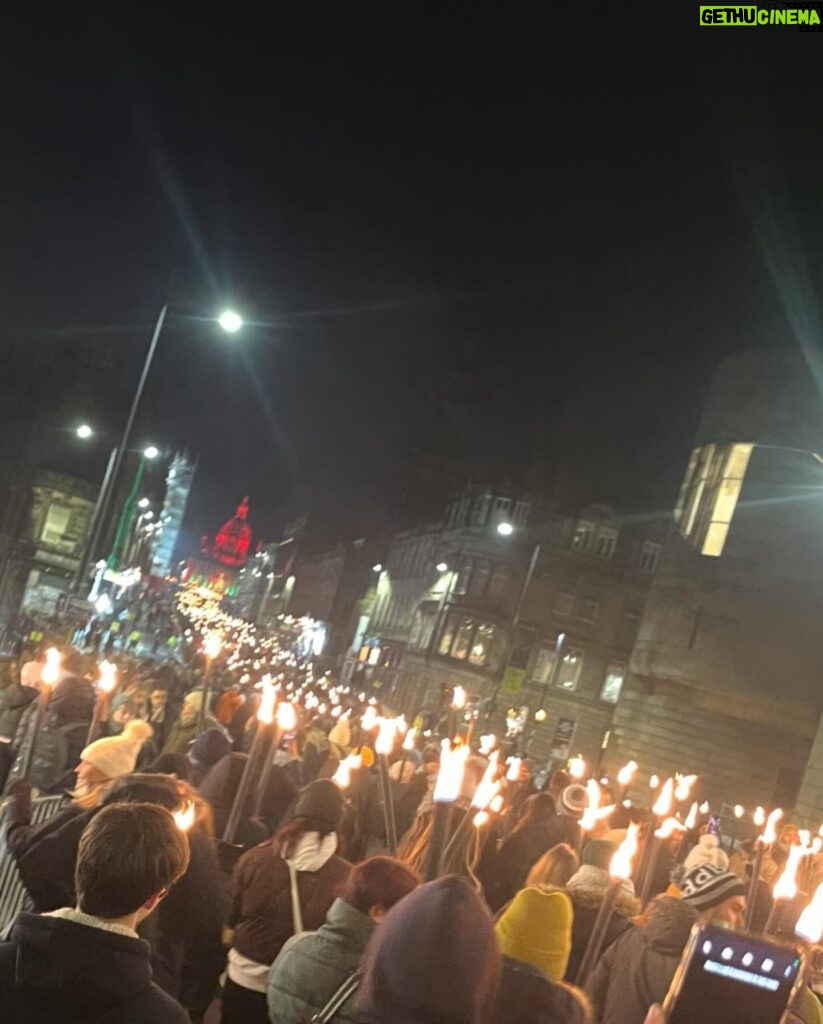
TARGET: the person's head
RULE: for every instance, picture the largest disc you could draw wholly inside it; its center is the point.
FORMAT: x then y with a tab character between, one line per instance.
537	810
192	703
536	929
209	748
433	957
598	853
159	696
319	809
123	710
376	884
718	896
129	857
177	765
555	867
107	759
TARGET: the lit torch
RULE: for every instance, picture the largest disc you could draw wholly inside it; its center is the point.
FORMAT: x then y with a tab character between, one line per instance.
383	747
106	685
49	677
810	923
625	777
185	817
446	791
764	840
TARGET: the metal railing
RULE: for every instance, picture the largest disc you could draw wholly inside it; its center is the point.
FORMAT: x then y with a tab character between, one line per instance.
12	893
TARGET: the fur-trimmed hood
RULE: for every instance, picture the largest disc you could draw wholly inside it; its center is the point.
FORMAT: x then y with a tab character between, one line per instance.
588	886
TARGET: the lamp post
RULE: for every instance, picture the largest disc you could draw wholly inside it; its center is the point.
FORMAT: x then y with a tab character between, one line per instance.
229	321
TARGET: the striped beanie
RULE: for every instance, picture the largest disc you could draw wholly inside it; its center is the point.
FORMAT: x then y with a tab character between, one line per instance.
706	886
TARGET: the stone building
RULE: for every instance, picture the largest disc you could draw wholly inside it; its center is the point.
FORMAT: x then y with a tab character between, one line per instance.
447	598
727	669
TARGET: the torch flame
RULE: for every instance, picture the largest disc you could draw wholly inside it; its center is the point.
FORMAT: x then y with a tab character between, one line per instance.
513	774
496	804
481	818
810	923
668	828
759	817
691	819
785	888
770	832
184	818
108	677
369	719
489	742
589	817
212	646
385	737
450	775
458	698
409	741
489	785
704	807
342	777
654	781
577	768
627	773
663	805
621	866
51	670
739	810
684	787
265	713
286	716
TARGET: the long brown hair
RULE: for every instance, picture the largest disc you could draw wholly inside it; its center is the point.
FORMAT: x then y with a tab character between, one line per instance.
555	867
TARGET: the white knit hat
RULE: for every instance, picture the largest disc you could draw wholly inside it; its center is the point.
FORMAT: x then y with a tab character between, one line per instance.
114	756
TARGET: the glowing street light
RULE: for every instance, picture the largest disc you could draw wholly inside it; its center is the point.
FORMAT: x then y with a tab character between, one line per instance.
84	432
143	503
505	529
377	567
151	452
230	321
442	567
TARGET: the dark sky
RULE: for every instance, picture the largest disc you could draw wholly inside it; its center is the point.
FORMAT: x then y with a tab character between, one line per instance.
523	248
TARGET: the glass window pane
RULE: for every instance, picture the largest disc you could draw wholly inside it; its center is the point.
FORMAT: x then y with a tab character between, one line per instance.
571	664
715	539
447	635
56	524
462	642
482	646
726	501
543	664
613	683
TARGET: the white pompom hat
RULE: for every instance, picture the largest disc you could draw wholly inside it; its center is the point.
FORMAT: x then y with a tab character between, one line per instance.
114	756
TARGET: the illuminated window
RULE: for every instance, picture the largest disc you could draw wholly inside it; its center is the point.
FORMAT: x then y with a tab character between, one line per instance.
571	665
543	665
709	495
56	524
447	635
649	556
461	583
563	604
482	645
725	499
613	683
589	609
462	642
606	543
582	540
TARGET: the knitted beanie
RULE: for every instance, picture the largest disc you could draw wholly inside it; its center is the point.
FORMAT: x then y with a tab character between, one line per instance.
536	929
321	800
707	851
114	756
707	886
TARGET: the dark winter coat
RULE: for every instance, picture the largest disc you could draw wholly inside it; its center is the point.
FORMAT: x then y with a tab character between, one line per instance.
54	970
311	967
261	904
637	969
433	959
219	788
13	702
586	890
527	996
506	872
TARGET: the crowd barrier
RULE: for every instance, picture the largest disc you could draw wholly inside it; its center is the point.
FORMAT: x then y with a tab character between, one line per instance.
12	893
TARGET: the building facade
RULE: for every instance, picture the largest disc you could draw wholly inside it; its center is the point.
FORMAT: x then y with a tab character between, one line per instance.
540	618
727	669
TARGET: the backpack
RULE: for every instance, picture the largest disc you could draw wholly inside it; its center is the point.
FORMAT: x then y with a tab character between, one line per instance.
53	762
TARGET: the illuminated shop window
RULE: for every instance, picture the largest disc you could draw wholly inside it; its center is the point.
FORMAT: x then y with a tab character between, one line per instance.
613	683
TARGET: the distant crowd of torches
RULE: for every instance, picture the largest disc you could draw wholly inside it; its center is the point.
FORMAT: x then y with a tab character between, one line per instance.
278	714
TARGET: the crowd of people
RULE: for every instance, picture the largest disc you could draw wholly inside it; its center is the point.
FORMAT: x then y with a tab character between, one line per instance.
161	891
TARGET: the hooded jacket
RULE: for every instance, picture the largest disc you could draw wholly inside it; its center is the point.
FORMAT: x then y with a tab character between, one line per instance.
57	970
507	871
432	960
261	903
637	969
311	967
13	702
586	889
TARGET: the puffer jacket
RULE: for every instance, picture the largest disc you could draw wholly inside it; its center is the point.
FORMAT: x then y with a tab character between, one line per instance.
637	969
586	889
312	966
13	702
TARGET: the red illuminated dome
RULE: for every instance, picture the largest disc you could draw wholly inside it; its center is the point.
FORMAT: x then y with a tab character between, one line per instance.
233	539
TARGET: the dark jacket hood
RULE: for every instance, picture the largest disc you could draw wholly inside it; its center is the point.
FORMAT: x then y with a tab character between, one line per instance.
76	969
17	696
73	699
434	957
669	924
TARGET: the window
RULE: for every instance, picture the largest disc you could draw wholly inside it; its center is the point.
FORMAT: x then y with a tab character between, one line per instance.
649	556
725	499
563	604
521	512
589	608
479	582
480	512
613	683
447	634
708	497
502	509
543	665
606	543
482	645
461	583
582	539
463	640
571	664
56	524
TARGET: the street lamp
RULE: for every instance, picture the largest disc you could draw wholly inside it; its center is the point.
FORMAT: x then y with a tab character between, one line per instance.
230	321
377	567
84	432
151	452
442	567
505	529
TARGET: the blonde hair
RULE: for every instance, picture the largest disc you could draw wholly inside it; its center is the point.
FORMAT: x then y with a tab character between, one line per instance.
92	796
555	867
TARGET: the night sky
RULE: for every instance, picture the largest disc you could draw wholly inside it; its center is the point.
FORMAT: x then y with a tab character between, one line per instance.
523	251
